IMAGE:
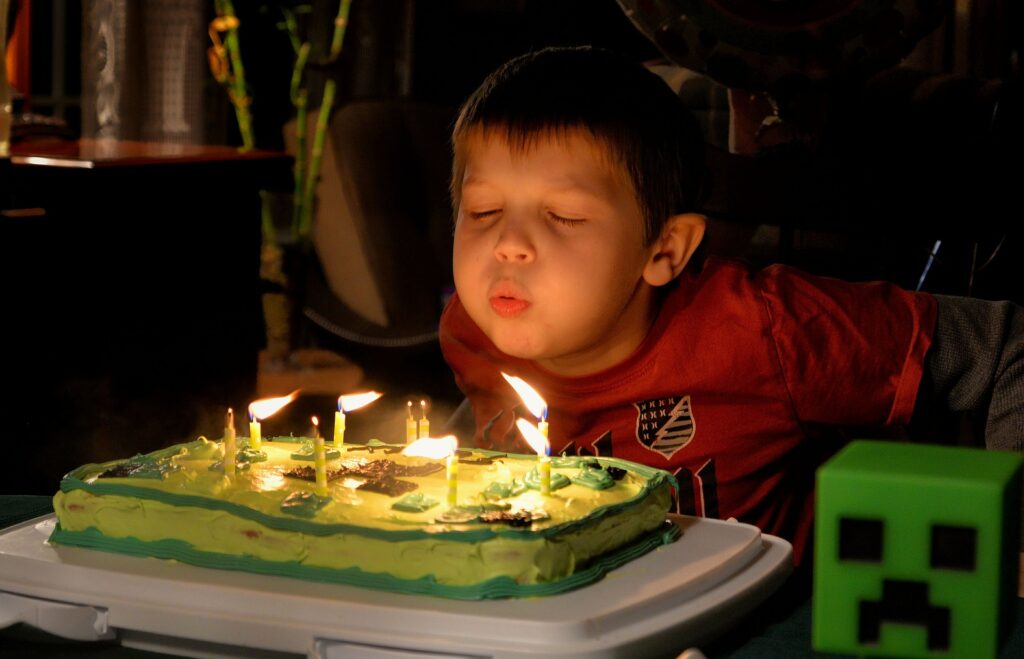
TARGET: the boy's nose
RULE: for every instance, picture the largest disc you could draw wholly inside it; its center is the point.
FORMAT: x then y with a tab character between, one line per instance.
513	246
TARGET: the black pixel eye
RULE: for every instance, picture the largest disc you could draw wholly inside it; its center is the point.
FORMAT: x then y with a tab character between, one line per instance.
954	547
860	539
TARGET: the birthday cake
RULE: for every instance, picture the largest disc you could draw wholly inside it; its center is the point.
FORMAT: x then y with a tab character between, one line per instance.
386	522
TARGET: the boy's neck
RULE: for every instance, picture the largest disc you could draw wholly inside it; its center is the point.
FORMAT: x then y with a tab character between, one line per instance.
616	347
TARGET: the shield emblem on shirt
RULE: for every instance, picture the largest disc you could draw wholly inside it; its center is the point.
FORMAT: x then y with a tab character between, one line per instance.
665	425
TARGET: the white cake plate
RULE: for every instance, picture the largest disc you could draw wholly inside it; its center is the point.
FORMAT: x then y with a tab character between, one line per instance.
675	597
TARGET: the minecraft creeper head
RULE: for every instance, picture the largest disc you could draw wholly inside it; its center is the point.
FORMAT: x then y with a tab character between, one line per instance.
916	550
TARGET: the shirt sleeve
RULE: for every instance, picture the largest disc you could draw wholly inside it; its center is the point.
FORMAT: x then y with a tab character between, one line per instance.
849	353
976	365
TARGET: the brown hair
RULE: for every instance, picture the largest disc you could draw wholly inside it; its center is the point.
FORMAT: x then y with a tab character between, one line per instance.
641	121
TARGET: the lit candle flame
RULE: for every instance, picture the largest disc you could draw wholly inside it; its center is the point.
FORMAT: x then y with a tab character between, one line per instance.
409	403
432	447
353	402
533	437
538	406
316	426
265	407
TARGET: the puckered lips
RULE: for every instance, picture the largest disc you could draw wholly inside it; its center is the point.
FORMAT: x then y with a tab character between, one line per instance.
507	300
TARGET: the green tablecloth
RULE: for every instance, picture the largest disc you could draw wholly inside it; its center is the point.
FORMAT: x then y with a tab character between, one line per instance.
779	628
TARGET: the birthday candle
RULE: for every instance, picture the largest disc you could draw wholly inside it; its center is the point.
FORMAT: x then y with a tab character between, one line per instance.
320	455
424	427
350	403
339	428
410	425
452	473
255	436
229	444
538	443
261	409
545	474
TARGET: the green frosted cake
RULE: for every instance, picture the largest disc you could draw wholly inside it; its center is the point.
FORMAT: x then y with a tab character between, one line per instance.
385	522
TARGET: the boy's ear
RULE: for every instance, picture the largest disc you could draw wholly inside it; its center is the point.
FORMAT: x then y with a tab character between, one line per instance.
674	247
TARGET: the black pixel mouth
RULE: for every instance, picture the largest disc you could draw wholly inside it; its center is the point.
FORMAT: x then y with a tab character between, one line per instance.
904	602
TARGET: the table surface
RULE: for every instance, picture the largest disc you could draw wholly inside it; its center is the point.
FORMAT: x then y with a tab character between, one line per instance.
99	153
779	628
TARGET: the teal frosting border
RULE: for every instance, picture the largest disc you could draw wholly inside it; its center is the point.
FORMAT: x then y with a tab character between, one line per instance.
75	480
496	588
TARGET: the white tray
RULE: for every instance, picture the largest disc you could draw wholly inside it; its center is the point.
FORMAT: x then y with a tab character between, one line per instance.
677	596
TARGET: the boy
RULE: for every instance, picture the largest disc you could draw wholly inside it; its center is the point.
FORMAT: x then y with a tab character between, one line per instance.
577	177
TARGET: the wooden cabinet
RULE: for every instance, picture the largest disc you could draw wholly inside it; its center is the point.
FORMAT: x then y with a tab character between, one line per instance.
131	299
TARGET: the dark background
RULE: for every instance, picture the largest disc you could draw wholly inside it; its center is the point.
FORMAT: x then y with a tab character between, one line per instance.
907	157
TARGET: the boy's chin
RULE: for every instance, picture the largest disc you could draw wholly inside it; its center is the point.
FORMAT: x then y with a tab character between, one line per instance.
519	347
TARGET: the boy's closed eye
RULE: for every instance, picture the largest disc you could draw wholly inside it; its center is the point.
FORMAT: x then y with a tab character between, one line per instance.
567	221
554	217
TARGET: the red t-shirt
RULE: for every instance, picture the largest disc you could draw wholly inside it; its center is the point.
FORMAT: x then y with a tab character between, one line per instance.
736	369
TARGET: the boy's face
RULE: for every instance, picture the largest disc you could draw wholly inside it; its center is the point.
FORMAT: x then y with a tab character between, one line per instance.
548	255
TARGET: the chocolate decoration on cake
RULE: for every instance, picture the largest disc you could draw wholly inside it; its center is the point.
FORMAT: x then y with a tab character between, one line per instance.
476	461
388	485
309	473
141	466
520	518
383	468
381	475
123	470
415	470
615	472
372	470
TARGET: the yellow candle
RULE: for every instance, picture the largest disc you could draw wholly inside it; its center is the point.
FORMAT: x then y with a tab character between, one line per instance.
346	404
229	444
424	427
537	442
544	466
452	473
255	438
320	455
410	425
260	410
339	429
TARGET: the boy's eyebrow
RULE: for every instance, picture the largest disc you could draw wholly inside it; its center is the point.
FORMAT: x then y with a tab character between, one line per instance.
561	184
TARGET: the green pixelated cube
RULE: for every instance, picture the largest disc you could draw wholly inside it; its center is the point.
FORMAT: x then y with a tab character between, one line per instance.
916	550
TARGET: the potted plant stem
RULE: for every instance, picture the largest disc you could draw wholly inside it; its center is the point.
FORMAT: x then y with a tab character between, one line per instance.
285	254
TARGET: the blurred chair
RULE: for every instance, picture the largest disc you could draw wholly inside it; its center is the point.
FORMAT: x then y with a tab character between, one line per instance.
383	236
